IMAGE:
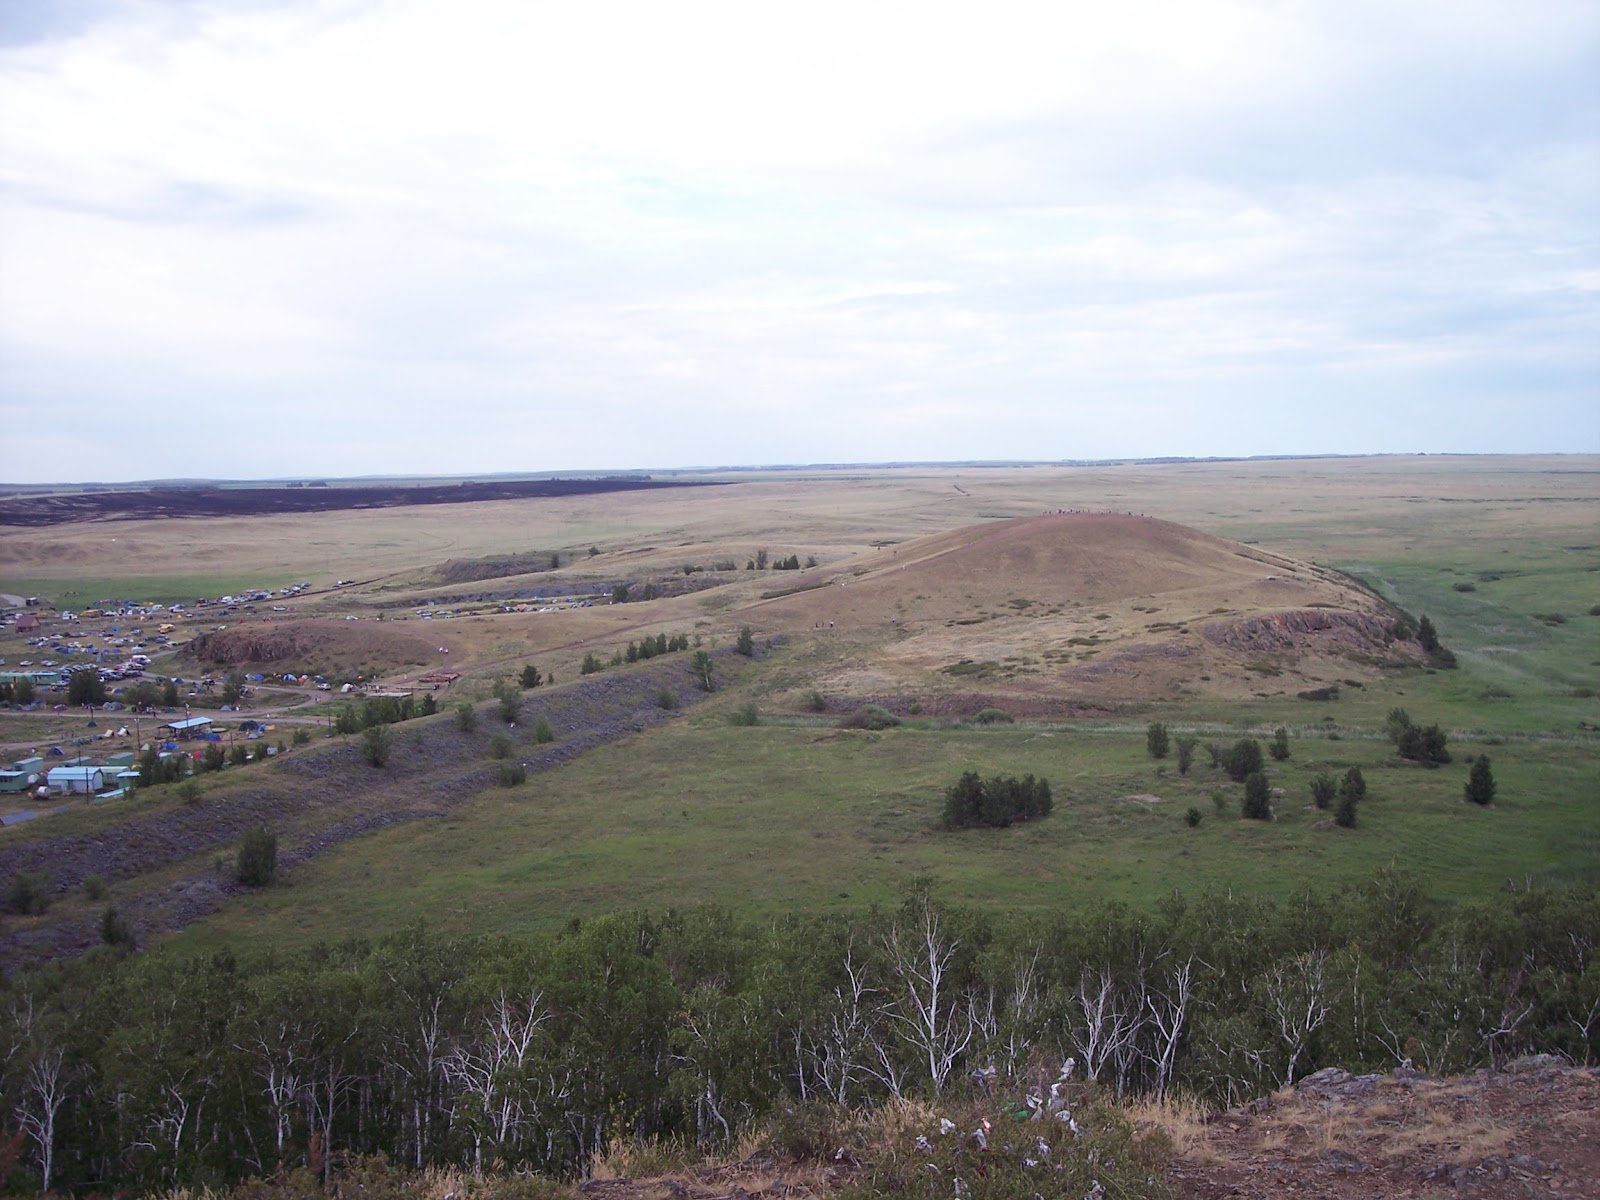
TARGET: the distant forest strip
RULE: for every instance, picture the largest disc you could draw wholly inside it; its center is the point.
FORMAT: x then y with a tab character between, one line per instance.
206	501
146	1073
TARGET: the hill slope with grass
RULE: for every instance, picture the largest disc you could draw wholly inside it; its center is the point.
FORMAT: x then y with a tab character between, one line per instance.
1097	606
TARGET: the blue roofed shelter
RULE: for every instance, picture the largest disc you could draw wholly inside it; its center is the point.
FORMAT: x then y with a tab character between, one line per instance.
77	781
189	726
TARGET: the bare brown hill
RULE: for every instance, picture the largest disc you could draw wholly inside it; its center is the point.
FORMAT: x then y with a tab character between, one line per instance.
1092	605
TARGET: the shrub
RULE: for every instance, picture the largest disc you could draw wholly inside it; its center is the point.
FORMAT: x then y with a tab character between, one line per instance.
511	774
1353	785
994	716
996	802
591	664
667	698
1218	755
1465	587
1219	801
238	754
1244	760
1323	789
213	758
1396	724
1424	745
28	893
703	670
376	744
542	733
1345	816
510	698
466	717
1186	747
745	645
262	752
500	745
1280	744
257	862
1192	816
1257	797
94	887
115	930
529	677
815	702
1480	782
746	714
189	792
302	736
1156	740
869	716
1427	636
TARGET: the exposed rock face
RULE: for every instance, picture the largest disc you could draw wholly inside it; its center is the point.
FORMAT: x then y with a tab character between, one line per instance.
309	645
1300	627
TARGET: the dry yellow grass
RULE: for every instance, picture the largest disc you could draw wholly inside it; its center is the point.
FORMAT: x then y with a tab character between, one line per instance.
917	597
1307	508
1182	1119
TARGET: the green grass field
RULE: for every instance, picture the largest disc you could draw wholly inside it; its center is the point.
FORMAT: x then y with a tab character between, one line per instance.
73	593
795	815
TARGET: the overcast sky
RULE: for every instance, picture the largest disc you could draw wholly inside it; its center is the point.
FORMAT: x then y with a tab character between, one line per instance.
350	237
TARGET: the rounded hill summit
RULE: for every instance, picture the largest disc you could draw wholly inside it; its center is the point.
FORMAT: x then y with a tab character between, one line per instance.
1088	606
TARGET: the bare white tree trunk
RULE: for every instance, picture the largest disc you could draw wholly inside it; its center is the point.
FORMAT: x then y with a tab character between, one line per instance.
1297	1002
934	1020
44	1092
837	1054
1106	1027
1168	1013
493	1072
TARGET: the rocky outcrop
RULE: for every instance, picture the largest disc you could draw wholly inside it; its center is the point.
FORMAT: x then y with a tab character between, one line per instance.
1306	628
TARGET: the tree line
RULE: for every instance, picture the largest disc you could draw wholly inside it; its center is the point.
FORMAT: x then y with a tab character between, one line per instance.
135	1071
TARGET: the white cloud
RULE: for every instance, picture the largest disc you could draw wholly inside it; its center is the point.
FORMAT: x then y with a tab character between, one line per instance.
662	234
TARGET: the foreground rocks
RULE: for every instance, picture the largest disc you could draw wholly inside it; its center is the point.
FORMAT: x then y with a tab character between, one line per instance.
1530	1130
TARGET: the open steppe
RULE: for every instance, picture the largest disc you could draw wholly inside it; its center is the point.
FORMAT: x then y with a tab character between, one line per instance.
1083	602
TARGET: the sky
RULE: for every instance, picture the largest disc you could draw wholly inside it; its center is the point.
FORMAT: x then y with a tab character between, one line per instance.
346	237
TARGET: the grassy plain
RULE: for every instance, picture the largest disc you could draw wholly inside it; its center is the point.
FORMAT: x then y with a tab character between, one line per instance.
805	815
794	812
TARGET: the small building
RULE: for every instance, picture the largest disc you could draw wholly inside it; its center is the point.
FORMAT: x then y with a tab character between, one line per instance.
123	758
34	764
16	781
189	726
77	781
27	622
